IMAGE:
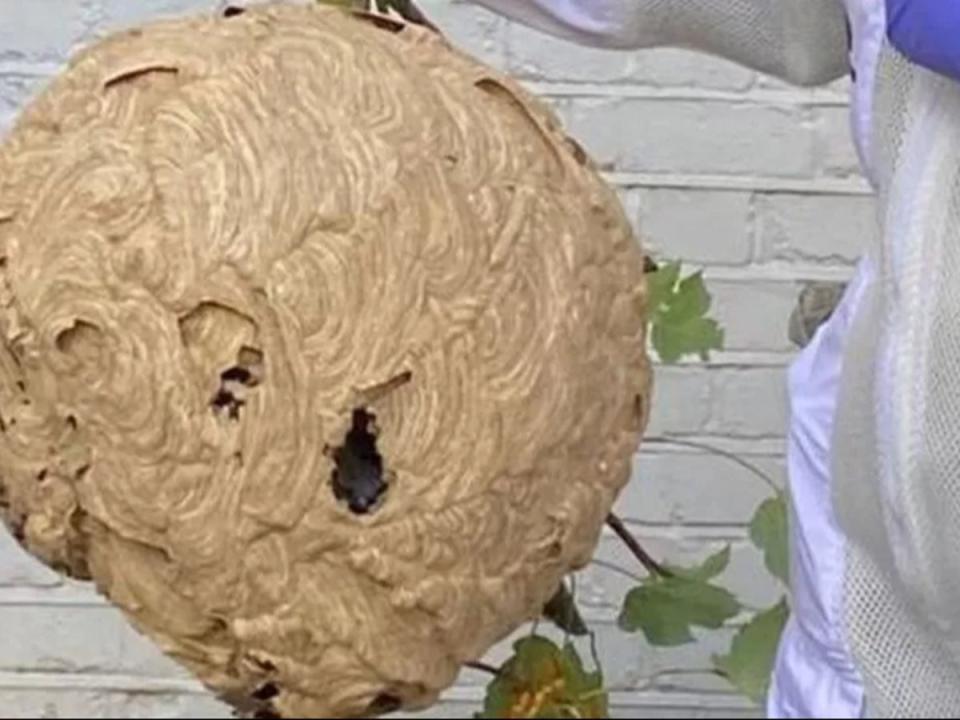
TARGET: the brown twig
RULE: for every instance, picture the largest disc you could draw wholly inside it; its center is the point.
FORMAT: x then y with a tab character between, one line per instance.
483	667
651	565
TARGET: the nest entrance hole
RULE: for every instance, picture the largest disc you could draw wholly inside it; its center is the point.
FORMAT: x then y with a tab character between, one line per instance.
358	478
236	382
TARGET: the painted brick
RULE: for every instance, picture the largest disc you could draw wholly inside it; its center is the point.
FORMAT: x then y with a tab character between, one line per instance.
683	487
681	401
749	402
754	313
815	228
684	136
836	154
17	569
699	226
40	31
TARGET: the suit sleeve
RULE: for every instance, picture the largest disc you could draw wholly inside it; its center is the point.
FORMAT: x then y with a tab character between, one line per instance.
800	41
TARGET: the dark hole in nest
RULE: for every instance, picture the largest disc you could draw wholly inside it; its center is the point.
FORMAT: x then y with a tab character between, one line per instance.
78	550
18	527
233	381
639	408
267	714
232	11
384	703
579	154
358	478
226	400
267	691
236	374
265	665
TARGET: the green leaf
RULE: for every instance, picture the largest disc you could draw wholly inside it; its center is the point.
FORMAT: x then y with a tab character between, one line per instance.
769	532
712	567
562	611
678	309
665	609
542	680
690	299
750	663
661	284
585	687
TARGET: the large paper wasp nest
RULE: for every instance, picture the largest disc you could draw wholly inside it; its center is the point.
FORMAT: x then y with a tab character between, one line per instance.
321	351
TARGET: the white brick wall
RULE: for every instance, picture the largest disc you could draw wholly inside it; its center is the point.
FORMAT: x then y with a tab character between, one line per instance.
751	179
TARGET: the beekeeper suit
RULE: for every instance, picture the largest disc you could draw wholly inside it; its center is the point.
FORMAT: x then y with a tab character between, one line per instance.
874	437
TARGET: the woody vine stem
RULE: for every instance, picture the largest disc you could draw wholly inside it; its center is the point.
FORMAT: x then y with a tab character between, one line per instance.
651	565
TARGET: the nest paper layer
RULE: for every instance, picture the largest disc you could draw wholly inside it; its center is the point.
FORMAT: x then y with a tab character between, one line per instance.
219	237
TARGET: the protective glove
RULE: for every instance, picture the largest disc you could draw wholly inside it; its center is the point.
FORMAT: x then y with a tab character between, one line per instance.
927	32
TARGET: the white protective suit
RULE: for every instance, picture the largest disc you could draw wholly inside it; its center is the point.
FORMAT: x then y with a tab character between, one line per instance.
874	437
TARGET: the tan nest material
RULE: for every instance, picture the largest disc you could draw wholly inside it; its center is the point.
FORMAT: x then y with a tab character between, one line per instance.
321	351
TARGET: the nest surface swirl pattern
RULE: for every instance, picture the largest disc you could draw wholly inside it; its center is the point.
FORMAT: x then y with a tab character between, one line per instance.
219	239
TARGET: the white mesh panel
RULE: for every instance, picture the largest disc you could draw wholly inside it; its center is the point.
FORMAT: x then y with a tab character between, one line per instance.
896	449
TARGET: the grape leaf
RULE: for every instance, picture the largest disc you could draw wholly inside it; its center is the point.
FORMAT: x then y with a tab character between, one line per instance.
769	532
660	286
678	309
710	568
562	611
542	680
750	663
666	608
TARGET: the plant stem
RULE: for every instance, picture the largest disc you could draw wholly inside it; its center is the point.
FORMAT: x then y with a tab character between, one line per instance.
534	626
722	453
651	565
483	667
594	653
571	608
659	675
617	569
